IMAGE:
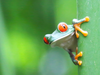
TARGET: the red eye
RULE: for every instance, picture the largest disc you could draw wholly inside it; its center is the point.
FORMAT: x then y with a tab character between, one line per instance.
45	40
62	27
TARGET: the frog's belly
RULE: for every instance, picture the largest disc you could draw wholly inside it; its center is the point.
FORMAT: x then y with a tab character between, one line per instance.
68	42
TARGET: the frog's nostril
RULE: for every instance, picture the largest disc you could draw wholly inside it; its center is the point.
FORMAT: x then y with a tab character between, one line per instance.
45	40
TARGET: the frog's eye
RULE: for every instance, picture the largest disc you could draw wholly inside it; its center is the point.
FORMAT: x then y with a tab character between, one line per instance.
62	27
45	40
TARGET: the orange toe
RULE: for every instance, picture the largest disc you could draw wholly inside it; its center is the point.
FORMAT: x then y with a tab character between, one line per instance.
80	62
77	35
81	53
85	33
87	19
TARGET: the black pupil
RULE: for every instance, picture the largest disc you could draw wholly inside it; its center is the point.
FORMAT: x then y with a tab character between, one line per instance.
64	26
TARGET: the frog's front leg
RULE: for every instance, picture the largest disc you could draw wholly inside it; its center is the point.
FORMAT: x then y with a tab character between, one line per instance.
75	58
77	24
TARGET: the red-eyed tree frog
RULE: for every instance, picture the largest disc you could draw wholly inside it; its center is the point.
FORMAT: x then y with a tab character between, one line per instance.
65	36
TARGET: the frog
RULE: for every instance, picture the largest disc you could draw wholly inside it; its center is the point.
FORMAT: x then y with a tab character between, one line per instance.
66	36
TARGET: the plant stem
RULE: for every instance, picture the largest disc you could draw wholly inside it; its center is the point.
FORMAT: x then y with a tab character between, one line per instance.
90	45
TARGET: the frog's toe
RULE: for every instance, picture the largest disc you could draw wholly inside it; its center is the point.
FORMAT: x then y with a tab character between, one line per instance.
87	19
85	33
79	55
77	35
79	62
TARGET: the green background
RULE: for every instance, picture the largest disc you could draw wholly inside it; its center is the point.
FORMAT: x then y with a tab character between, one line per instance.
23	24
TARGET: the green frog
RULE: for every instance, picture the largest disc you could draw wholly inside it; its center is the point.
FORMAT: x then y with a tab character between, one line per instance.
65	36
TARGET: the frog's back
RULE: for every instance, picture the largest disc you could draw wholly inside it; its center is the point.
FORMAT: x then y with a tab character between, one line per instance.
68	42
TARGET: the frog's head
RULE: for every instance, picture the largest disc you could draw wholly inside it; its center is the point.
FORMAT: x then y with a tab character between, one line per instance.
63	30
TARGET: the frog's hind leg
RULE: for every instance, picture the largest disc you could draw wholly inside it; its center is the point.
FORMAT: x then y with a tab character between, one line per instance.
75	58
77	24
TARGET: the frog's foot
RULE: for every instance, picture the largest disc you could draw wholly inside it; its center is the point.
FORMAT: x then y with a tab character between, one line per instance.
78	55
75	58
77	27
76	61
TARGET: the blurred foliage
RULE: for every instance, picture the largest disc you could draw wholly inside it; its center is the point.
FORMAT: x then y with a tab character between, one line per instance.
23	24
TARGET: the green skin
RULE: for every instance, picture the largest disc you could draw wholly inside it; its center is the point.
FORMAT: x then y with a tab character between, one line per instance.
66	40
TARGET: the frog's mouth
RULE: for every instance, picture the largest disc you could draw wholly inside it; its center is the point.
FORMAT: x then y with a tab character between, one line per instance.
55	41
47	38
